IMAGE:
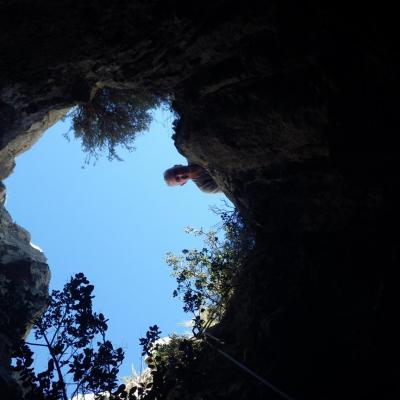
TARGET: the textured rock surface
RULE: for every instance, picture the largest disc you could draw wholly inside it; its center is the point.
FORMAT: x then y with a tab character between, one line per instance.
293	109
24	280
12	146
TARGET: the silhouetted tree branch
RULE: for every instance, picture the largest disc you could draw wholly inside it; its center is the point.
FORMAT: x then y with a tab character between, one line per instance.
78	348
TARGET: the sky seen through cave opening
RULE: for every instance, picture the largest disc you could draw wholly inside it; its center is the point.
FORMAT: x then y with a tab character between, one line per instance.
114	222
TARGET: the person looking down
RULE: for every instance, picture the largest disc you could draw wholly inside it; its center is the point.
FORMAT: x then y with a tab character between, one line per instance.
178	175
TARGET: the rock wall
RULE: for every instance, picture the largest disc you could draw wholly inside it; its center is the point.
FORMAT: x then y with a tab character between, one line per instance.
14	146
24	273
24	281
292	106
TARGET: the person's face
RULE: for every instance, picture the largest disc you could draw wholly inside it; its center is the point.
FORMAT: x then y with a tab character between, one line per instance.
179	178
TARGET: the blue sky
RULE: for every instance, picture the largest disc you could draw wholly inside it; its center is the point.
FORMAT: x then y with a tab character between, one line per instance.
114	222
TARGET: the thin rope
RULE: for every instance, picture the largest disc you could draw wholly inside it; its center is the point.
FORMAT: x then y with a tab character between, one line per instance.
248	370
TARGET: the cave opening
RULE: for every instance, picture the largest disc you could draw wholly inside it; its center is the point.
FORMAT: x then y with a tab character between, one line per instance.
113	221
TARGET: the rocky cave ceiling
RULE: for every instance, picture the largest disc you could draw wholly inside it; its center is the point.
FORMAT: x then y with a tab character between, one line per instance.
292	107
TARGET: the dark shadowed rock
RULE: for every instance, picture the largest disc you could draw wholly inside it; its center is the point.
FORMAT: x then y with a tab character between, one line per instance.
292	107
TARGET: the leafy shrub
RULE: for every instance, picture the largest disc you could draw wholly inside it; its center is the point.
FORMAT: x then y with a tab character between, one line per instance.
178	350
138	385
206	278
172	363
205	281
112	118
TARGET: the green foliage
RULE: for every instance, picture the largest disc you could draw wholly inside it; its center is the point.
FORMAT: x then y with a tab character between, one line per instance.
205	282
112	118
81	359
138	385
172	362
206	278
177	350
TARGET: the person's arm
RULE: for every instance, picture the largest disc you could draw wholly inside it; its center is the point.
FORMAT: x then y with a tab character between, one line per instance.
195	171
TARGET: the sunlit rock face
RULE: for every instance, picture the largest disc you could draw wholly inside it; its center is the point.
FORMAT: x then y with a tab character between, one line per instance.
293	110
24	273
24	280
12	146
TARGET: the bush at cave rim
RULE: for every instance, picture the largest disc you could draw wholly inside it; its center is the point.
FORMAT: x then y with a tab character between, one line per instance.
113	117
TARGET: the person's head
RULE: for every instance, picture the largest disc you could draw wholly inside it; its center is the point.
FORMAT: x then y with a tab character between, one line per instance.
178	175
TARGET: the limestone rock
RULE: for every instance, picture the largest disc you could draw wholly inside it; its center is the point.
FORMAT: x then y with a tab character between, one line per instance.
24	280
2	193
11	147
